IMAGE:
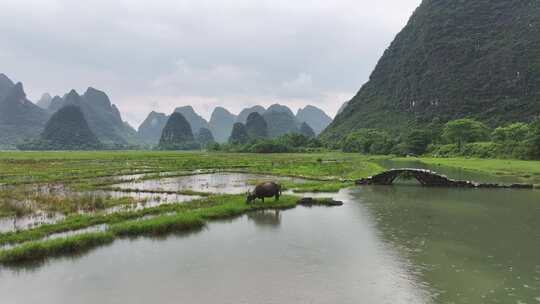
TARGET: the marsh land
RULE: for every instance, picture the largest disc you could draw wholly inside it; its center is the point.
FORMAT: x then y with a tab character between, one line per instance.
98	220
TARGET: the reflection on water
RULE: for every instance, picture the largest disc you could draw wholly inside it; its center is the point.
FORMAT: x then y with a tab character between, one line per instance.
265	218
14	223
310	255
471	245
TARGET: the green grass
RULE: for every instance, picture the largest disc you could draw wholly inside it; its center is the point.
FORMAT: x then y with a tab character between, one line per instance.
82	167
40	250
159	225
528	170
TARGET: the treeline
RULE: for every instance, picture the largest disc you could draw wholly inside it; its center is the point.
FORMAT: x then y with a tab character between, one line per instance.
288	143
461	137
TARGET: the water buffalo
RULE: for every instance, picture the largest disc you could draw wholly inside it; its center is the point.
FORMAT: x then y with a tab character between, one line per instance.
263	190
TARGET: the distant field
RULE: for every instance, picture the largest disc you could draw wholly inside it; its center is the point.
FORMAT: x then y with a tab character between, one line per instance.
37	167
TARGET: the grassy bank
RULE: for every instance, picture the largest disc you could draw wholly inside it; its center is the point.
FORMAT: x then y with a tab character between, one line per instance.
36	251
186	218
528	170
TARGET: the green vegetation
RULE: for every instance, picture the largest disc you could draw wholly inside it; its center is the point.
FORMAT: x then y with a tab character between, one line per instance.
462	131
368	141
86	167
159	225
40	250
454	59
288	143
456	138
529	170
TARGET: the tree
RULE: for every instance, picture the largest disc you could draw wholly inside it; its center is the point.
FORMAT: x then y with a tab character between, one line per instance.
306	130
369	141
256	126
293	140
239	134
205	137
516	132
435	130
462	131
416	142
533	139
177	134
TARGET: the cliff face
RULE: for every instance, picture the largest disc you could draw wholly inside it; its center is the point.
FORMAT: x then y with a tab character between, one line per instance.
454	59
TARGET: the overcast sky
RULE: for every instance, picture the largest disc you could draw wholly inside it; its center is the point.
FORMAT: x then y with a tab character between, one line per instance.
156	55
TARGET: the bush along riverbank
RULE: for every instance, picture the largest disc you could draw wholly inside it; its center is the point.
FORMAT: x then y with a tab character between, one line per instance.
166	220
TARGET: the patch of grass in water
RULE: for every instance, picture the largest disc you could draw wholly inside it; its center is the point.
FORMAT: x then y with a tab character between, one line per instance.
40	250
158	226
14	208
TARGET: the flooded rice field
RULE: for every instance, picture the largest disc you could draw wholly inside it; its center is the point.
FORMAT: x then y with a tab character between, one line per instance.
397	244
225	183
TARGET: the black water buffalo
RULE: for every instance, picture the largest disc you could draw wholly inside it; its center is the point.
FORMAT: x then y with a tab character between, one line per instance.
263	190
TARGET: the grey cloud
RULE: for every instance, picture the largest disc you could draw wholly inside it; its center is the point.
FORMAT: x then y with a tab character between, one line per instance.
206	53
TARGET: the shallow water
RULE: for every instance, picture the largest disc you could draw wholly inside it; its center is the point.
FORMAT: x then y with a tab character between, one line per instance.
233	183
146	200
230	183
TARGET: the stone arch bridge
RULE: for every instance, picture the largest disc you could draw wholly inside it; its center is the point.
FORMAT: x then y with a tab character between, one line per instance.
430	179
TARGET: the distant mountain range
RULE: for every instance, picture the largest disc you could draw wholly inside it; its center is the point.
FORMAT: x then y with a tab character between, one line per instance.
280	120
23	121
66	130
103	117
